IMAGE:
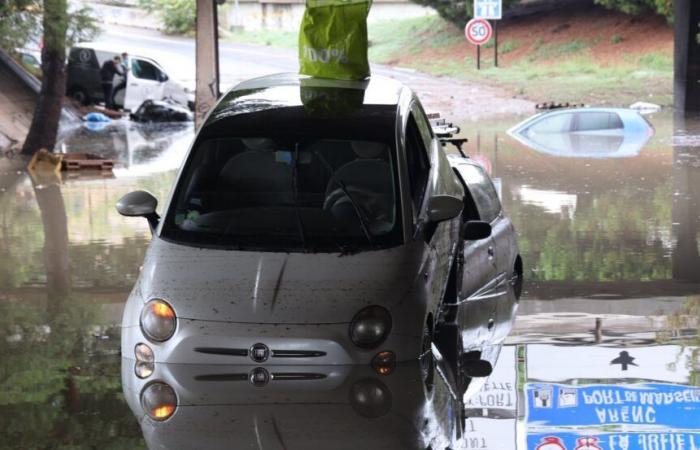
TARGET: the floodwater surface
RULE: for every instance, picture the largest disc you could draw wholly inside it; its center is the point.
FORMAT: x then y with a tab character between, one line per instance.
604	352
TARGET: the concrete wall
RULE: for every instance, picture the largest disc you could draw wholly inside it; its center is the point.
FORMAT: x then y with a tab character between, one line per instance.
253	15
16	108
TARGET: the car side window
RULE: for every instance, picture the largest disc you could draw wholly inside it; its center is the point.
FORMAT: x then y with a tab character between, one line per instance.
417	162
482	191
145	70
589	121
424	127
559	123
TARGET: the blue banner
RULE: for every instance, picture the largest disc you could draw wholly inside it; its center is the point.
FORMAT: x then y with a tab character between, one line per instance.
614	441
665	405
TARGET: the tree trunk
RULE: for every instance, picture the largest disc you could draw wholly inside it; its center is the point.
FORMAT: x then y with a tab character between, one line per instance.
55	222
47	114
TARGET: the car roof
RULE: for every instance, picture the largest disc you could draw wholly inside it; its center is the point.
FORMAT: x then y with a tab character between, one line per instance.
294	90
293	103
113	50
624	113
379	90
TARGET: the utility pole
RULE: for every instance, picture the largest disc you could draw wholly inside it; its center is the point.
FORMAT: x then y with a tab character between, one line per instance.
207	60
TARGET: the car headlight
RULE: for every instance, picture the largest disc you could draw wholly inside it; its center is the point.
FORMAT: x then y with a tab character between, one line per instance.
159	401
370	398
158	320
370	327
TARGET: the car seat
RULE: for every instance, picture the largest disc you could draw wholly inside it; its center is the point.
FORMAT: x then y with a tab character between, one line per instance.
255	177
369	180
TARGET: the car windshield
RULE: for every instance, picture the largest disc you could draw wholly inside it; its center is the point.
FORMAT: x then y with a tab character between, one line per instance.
287	194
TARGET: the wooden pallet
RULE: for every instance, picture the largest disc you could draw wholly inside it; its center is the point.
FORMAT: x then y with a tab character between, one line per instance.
44	161
86	161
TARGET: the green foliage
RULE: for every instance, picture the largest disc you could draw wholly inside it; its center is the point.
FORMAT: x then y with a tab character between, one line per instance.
508	46
18	21
556	50
616	39
459	11
456	11
21	23
178	16
656	61
662	7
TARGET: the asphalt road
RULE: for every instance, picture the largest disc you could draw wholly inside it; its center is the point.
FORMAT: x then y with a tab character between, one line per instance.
456	100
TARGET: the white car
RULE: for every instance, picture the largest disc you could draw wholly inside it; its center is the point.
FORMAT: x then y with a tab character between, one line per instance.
313	406
316	223
145	80
585	132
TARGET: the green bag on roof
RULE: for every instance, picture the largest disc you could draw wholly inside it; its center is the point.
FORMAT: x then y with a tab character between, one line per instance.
333	39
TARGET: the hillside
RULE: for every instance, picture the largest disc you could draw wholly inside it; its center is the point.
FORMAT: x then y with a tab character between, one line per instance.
584	55
594	56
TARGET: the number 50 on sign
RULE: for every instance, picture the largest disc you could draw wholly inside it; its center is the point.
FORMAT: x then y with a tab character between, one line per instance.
478	31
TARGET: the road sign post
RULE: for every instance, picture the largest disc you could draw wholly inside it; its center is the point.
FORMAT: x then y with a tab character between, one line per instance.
478	32
488	10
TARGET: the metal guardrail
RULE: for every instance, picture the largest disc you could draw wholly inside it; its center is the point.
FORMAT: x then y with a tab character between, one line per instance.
32	82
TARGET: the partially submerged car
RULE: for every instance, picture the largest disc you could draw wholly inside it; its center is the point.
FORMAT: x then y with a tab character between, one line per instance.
316	223
585	132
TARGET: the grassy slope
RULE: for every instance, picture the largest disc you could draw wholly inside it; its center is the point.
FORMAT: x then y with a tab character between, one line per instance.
610	63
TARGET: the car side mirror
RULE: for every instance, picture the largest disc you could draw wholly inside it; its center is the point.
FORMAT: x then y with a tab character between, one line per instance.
475	230
139	204
444	207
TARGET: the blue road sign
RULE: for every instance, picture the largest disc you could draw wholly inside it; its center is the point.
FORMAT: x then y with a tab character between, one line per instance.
641	405
488	9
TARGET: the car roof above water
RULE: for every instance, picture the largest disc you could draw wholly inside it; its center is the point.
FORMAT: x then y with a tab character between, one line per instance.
292	100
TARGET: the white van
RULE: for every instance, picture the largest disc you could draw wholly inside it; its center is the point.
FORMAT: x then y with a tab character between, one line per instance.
146	79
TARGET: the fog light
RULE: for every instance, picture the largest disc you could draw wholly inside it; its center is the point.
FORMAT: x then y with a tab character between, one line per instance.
144	353
370	327
158	401
158	320
144	369
370	398
384	362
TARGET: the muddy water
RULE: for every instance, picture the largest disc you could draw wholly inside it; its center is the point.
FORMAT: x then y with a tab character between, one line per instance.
604	353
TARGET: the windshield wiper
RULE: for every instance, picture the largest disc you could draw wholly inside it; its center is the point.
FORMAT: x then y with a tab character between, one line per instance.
358	211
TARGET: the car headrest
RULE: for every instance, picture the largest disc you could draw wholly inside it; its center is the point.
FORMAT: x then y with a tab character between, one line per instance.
368	150
259	144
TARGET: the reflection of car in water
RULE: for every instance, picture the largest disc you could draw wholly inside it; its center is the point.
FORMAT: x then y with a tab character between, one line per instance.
585	133
146	79
137	148
188	406
296	238
313	406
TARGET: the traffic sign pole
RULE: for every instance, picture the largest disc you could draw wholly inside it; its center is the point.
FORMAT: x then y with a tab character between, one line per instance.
487	13
495	42
478	32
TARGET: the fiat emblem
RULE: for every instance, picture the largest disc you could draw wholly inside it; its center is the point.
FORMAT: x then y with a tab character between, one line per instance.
259	377
259	353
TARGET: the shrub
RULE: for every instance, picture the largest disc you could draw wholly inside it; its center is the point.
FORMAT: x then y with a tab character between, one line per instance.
178	16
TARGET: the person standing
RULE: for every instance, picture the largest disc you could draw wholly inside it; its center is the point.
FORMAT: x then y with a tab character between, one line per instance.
107	72
122	71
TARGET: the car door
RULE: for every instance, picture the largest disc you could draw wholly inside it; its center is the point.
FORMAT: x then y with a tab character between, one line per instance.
144	83
480	271
419	173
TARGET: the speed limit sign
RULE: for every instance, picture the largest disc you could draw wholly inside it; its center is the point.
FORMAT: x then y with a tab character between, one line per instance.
478	31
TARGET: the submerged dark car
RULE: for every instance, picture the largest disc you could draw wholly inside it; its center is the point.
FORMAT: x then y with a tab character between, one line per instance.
317	222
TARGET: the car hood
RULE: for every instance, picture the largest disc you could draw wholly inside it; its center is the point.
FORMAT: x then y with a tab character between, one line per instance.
284	288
